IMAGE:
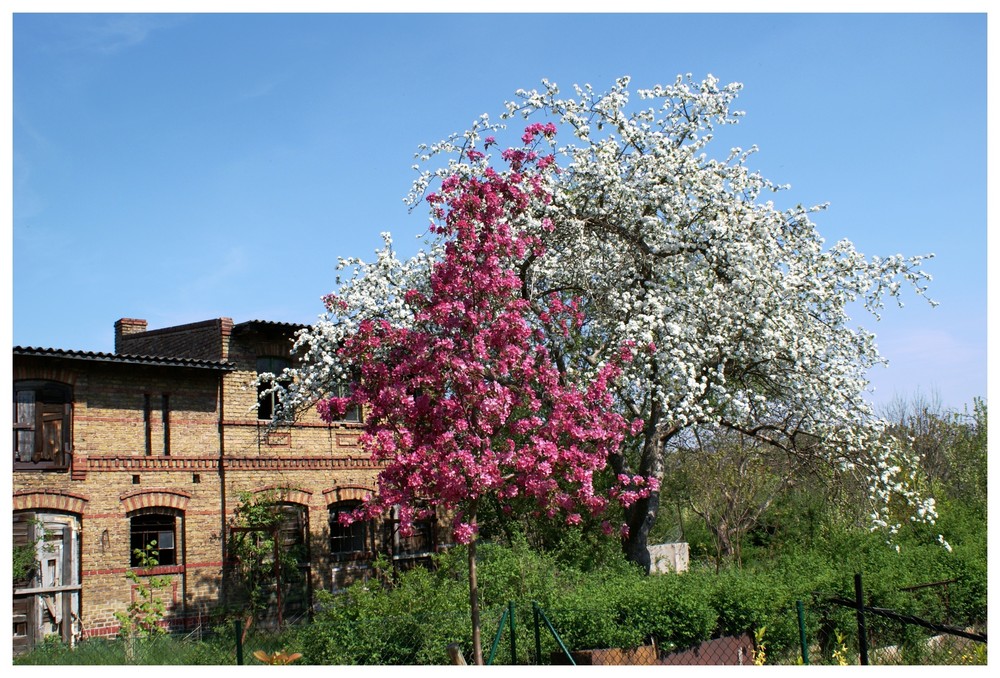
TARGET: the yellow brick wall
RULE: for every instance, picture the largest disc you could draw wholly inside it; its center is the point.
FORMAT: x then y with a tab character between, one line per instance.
316	463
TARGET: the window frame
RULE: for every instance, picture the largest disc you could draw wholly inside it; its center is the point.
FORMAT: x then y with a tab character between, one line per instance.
420	544
366	537
149	532
353	414
50	406
270	399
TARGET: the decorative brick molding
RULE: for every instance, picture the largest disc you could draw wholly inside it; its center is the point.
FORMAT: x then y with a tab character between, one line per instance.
78	468
278	439
334	495
133	463
347	462
163	498
290	495
348	440
52	500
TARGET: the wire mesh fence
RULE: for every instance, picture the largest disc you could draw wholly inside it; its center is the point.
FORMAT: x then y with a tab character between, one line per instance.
525	633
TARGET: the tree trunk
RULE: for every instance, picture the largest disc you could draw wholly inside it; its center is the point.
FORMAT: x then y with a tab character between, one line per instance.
723	542
641	516
477	643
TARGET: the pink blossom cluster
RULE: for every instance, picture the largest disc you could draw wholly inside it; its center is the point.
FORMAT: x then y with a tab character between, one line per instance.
466	402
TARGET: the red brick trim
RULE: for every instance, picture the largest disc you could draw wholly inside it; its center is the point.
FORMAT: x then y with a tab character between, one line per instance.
163	569
158	570
78	467
291	495
334	495
299	463
53	500
132	463
161	497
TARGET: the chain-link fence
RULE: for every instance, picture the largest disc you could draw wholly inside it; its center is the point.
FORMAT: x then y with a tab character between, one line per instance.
828	630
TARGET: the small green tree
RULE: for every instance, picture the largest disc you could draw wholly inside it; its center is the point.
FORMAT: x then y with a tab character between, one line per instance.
141	619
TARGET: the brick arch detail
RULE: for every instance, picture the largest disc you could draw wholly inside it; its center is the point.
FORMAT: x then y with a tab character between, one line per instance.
52	500
335	495
161	498
61	375
290	495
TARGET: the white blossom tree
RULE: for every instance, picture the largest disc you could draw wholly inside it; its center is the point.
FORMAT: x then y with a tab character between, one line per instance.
738	311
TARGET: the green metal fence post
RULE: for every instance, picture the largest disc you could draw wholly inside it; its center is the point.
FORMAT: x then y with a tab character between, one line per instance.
555	634
238	628
513	635
859	601
496	638
538	635
802	631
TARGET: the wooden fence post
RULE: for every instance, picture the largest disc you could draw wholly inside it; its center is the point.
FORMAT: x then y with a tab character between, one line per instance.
455	652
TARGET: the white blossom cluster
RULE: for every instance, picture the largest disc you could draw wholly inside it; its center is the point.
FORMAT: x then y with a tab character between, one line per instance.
373	291
736	312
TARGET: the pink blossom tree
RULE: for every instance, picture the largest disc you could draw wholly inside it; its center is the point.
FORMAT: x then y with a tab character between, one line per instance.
465	402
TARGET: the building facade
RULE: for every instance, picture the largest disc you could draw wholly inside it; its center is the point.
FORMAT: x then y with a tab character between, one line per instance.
158	444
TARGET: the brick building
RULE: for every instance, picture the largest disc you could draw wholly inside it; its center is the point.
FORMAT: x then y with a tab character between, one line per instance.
159	441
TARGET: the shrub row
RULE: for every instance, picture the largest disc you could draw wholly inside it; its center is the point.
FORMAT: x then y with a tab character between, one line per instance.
414	619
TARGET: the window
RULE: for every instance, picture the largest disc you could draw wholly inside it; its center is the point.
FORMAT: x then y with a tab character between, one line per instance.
349	542
42	424
156	531
421	540
267	403
293	531
344	391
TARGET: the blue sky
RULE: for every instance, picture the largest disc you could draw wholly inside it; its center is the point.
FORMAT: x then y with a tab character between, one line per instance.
182	167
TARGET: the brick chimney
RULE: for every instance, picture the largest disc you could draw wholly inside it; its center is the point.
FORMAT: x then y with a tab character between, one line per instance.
126	326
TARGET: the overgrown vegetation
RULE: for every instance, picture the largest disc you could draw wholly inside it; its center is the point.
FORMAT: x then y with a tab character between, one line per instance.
259	565
806	545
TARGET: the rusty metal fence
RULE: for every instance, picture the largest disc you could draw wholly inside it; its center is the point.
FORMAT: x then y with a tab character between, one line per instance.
891	637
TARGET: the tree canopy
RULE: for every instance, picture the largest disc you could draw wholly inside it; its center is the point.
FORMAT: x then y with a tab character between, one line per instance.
734	313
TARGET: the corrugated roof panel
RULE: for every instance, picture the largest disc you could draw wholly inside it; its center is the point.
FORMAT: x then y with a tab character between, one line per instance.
123	359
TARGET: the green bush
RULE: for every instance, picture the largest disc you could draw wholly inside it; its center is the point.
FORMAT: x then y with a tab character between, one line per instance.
593	615
411	622
672	610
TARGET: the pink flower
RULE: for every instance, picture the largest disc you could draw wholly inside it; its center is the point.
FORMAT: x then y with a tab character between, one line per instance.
463	533
466	401
332	409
